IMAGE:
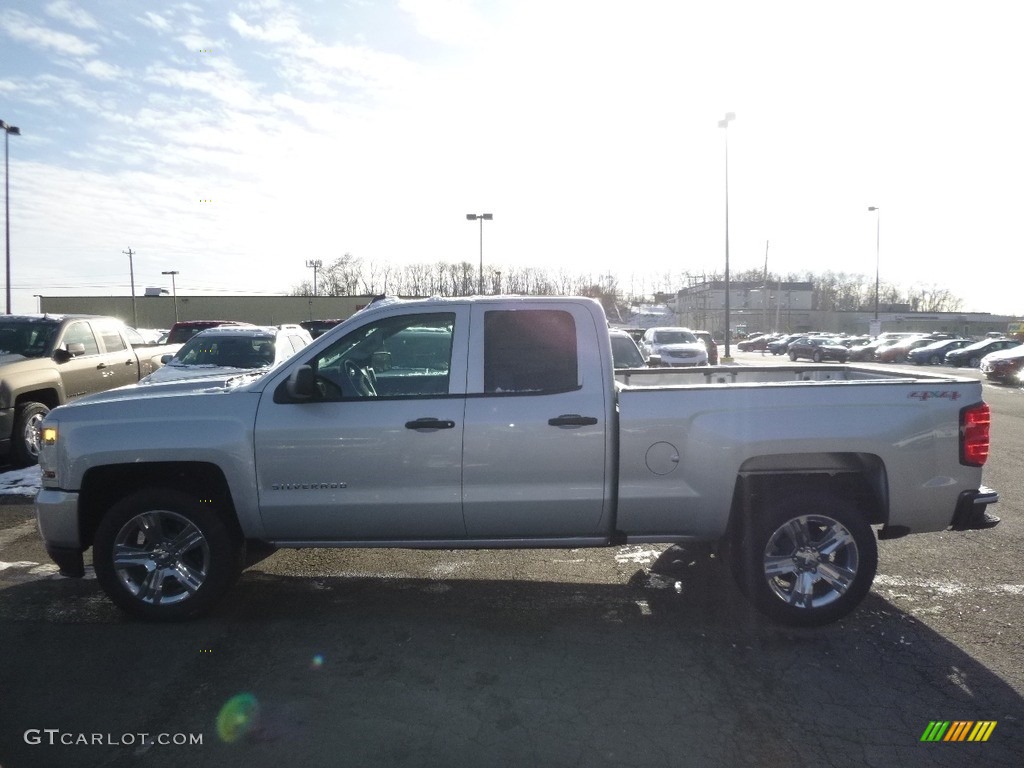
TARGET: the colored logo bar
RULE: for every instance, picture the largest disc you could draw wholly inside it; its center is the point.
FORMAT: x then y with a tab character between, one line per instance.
958	730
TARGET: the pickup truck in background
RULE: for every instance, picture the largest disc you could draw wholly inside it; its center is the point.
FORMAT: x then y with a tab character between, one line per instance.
47	360
500	422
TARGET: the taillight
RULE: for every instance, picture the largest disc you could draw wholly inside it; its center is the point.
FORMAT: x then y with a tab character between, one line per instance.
975	421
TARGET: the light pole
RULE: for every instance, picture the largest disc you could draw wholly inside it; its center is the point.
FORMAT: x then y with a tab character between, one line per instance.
724	123
8	130
174	290
878	233
482	217
131	271
315	265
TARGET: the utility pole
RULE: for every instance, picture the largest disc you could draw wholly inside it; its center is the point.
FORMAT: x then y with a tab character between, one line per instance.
131	270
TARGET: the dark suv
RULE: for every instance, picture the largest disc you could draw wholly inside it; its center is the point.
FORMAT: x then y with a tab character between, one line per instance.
709	342
184	330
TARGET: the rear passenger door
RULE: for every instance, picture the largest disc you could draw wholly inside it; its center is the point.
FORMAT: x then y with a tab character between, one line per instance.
536	447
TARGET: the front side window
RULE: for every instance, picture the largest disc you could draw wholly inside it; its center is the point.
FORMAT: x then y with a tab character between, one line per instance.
81	333
402	356
529	351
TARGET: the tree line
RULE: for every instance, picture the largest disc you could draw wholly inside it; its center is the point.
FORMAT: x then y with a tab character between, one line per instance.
350	275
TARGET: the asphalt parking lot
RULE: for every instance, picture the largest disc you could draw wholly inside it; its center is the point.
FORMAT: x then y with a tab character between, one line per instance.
629	656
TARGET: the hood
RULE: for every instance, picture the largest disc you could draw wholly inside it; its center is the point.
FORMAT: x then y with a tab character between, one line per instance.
1011	353
215	385
208	373
686	346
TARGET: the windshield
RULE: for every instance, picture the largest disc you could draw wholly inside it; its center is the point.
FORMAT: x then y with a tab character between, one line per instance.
30	338
674	337
227	351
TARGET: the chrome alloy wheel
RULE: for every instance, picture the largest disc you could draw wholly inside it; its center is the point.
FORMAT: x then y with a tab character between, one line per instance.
33	434
810	561
161	557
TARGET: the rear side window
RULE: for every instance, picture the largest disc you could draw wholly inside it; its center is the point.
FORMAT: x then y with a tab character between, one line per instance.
112	341
532	350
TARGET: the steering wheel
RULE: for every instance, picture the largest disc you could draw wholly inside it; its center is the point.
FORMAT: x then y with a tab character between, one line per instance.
361	381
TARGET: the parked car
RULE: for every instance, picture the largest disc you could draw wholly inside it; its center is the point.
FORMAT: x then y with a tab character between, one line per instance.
184	330
755	343
780	345
898	352
228	350
971	355
625	352
710	343
818	349
48	360
673	347
1004	365
934	353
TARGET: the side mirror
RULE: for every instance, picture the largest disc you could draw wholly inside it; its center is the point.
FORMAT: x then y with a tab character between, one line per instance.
301	384
165	359
69	351
654	361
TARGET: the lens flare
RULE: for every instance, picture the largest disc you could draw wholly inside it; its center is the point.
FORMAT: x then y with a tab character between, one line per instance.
237	717
317	662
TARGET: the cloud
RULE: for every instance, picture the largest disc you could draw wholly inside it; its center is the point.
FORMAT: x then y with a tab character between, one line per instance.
154	21
21	28
71	13
101	70
453	22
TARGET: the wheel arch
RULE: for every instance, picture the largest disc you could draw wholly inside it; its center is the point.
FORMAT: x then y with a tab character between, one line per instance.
857	477
104	486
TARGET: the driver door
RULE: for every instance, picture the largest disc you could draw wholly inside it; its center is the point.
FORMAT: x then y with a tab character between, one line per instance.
376	454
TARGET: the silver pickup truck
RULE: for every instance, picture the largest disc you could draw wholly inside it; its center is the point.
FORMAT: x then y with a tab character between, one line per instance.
500	422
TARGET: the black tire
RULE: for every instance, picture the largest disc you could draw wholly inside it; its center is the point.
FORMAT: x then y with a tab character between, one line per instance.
816	357
26	439
785	562
792	356
163	555
935	360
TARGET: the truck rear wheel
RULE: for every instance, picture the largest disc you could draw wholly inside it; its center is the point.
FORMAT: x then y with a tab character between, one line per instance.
26	439
807	560
163	555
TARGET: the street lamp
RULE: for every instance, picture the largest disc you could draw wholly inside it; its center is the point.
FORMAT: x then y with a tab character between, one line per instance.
482	217
724	123
314	264
878	232
174	290
8	130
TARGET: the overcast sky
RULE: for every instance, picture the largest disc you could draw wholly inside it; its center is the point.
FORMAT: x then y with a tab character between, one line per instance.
233	140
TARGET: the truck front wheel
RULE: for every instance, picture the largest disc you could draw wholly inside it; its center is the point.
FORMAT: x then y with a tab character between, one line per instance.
164	555
808	559
26	439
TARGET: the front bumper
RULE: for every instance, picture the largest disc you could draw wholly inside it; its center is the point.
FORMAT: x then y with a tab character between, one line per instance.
57	519
970	509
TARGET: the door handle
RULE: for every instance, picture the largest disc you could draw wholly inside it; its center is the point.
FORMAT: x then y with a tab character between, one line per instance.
129	362
101	366
429	423
572	420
